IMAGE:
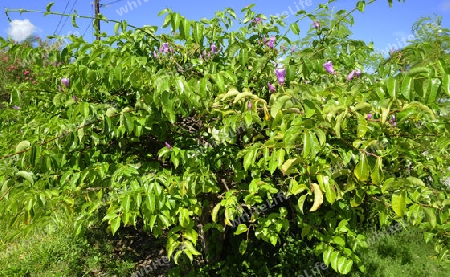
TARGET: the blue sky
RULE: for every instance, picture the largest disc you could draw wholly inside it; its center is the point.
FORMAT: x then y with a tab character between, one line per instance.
383	25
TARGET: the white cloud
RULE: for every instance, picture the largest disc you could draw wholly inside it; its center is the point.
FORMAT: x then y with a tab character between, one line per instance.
445	6
21	29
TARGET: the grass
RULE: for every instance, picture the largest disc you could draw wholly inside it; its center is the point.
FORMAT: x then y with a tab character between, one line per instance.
61	254
403	254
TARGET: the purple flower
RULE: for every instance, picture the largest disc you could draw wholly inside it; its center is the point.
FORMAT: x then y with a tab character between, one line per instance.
213	48
329	67
65	81
168	145
155	55
271	87
283	48
369	116
16	107
165	47
394	123
249	105
281	74
351	75
292	49
271	41
316	24
59	88
358	73
74	98
258	20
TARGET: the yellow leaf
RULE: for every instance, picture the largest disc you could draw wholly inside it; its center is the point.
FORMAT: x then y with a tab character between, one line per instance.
318	197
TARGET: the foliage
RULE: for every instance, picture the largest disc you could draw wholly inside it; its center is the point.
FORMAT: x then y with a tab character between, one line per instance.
188	131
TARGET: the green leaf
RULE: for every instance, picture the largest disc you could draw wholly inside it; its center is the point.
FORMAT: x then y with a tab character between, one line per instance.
22	146
280	157
184	217
198	32
377	172
431	216
107	126
422	71
330	192
327	255
433	89
151	202
406	87
362	169
126	204
399	203
362	126
248	159
295	188
334	260
118	73
273	164
392	87
295	29
129	125
428	236
243	56
301	202
124	26
322	136
241	229
175	21
115	224
74	22
164	11
338	240
360	5
446	84
214	212
164	220
15	98
220	81
189	248
306	139
27	175
289	164
185	28
243	246
191	235
344	265
49	6
167	19
339	120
